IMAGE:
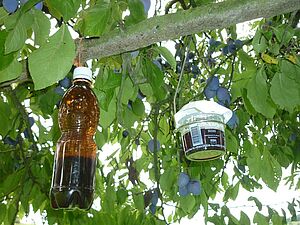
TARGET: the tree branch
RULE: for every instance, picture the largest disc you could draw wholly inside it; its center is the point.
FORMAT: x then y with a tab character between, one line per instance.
171	26
24	77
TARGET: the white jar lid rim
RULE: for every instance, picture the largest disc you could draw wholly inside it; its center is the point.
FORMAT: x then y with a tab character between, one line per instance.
202	107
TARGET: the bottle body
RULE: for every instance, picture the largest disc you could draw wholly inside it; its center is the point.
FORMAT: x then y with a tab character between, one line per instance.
75	157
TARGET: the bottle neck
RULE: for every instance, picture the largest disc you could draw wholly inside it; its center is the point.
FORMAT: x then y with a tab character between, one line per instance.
83	81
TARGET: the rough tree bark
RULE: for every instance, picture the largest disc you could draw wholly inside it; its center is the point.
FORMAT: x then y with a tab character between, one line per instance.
171	26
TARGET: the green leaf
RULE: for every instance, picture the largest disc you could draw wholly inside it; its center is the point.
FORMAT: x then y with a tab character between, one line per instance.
155	78
254	162
167	55
11	211
187	203
6	123
247	61
55	131
137	13
11	182
232	192
260	219
167	179
146	89
244	219
47	100
11	72
41	27
104	97
216	219
276	219
107	117
231	142
154	75
271	174
285	91
139	201
258	95
61	50
291	208
95	20
128	91
43	133
122	196
17	37
2	212
3	15
259	42
66	9
138	107
108	80
235	191
5	59
290	70
250	109
257	202
108	202
284	33
128	117
100	138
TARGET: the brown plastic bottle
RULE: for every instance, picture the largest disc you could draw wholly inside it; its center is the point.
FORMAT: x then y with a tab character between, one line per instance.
75	157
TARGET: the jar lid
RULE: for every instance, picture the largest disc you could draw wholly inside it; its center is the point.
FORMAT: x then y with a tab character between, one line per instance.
202	108
82	72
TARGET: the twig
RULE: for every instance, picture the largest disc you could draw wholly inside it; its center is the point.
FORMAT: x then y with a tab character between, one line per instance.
232	71
169	5
199	55
24	77
24	115
155	158
223	170
295	19
229	56
155	132
125	65
5	151
181	74
183	5
23	179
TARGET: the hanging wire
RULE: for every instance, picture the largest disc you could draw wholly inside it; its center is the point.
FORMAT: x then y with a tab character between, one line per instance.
77	62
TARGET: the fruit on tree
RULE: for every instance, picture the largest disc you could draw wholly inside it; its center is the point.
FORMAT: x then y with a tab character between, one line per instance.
151	145
10	5
183	179
183	191
223	96
125	133
58	90
194	187
233	121
147	4
66	82
213	83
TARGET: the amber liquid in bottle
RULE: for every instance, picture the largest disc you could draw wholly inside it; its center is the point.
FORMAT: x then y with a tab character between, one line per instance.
75	157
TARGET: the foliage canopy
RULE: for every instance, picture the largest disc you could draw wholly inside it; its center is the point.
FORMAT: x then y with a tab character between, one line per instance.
136	92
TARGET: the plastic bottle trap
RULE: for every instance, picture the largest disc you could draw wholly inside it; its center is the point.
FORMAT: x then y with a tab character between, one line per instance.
202	124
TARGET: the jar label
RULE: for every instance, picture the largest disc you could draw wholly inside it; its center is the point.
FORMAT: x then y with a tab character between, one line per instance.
196	135
203	139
